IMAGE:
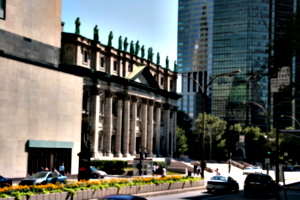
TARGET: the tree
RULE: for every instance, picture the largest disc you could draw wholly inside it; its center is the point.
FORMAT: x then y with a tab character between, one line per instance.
213	132
182	146
232	137
255	144
185	123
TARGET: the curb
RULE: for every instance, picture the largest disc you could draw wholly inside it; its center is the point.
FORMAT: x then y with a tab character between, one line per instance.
168	192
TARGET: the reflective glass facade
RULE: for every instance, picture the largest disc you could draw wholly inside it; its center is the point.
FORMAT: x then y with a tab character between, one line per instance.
221	36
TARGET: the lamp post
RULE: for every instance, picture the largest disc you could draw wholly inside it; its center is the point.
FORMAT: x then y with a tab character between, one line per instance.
292	118
203	92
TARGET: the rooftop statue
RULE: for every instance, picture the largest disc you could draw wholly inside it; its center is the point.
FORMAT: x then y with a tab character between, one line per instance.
167	62
110	37
137	48
157	58
150	54
77	26
143	51
125	44
96	33
175	66
120	43
131	48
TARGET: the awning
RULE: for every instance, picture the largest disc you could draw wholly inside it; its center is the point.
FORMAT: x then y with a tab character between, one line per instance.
49	144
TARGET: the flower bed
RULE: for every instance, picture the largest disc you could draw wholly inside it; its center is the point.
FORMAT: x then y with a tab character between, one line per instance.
96	188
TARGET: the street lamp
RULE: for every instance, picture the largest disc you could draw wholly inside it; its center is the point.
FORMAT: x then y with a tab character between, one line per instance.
292	118
203	92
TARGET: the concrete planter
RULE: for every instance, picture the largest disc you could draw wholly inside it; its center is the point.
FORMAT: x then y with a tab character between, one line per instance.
89	194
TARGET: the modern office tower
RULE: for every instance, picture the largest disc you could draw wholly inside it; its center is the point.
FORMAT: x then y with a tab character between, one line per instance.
217	37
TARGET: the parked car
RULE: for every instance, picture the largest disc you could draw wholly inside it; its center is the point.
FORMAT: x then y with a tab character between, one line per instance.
5	181
96	173
249	170
120	196
222	183
43	177
288	168
260	184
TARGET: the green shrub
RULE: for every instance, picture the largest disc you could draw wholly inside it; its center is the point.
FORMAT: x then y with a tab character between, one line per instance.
110	166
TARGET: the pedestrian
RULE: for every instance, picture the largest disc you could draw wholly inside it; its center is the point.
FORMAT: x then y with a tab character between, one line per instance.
164	172
62	169
55	175
42	169
198	170
195	170
46	169
154	170
217	172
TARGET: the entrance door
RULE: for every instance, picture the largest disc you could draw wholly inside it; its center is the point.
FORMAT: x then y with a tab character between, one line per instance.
48	157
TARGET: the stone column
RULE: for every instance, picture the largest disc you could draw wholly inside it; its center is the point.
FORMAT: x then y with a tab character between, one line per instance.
119	125
150	129
94	119
133	125
144	123
157	129
108	123
166	133
126	126
174	128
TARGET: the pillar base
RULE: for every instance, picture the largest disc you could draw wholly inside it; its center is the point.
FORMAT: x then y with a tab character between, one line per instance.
118	155
126	155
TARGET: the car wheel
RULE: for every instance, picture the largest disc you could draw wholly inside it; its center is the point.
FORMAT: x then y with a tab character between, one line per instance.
209	190
236	189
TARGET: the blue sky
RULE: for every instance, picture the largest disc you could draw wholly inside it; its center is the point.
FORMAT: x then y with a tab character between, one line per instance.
152	22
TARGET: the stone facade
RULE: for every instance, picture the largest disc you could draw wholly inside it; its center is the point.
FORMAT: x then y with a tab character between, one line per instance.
129	102
40	106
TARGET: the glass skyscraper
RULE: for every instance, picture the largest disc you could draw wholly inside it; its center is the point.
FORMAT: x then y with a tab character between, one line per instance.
221	36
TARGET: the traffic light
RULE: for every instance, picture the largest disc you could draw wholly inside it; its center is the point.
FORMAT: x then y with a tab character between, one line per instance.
269	151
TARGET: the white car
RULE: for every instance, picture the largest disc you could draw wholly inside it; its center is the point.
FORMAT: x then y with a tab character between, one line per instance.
249	170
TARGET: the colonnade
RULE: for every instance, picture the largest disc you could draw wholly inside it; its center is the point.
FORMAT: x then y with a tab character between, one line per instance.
123	124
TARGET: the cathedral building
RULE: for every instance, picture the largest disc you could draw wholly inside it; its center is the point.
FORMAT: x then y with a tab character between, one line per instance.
129	103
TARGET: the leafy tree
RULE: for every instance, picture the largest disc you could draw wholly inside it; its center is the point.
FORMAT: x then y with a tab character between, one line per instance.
213	132
182	146
255	144
185	123
232	137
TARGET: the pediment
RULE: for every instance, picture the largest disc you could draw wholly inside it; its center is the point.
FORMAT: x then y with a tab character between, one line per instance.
142	75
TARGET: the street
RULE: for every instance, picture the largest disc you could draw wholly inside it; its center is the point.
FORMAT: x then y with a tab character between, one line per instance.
291	195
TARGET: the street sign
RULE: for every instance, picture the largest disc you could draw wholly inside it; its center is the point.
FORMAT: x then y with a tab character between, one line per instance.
267	160
283	79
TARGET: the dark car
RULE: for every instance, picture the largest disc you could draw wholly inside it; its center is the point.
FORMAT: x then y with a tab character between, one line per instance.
222	183
120	196
96	173
5	181
43	177
288	168
260	184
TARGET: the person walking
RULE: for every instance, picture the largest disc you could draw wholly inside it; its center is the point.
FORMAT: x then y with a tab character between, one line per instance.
55	175
198	170
217	172
62	169
164	172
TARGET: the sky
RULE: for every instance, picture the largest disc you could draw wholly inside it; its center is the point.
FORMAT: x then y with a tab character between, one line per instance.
151	22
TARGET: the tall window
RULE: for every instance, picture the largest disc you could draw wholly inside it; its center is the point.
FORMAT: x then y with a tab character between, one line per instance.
2	9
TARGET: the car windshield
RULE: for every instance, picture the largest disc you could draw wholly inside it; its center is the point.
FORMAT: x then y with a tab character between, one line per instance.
248	168
94	169
256	167
39	175
218	178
